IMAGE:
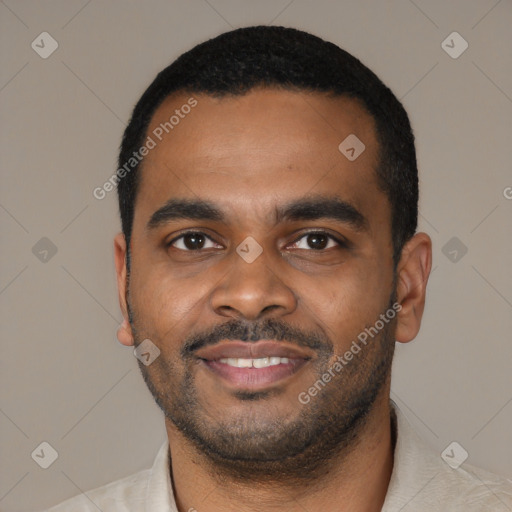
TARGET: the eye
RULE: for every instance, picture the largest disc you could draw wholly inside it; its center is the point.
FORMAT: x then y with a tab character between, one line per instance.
193	241
317	241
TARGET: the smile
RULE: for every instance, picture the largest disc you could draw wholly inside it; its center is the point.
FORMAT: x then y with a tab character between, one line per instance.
262	362
253	366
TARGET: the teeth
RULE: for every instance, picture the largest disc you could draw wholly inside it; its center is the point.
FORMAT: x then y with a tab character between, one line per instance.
240	363
262	362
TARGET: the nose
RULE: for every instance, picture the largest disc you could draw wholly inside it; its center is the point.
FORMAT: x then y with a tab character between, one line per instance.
252	291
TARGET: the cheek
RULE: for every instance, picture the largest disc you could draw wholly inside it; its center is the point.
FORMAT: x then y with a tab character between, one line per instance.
349	301
163	305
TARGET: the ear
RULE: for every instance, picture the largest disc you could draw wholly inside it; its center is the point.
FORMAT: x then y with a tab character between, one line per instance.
412	275
124	332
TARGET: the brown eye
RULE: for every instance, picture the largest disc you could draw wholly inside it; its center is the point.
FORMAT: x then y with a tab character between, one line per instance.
317	241
193	241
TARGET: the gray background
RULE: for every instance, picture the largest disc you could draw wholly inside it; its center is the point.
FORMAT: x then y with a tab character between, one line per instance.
64	377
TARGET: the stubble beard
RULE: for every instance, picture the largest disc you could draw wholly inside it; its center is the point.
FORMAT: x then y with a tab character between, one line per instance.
288	450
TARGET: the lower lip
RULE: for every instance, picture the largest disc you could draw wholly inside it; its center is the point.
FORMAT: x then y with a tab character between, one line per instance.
255	378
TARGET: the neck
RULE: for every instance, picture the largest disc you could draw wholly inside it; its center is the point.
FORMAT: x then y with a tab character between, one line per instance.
357	480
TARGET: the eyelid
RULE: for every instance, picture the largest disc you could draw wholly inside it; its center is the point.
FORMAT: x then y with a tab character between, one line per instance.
340	240
190	232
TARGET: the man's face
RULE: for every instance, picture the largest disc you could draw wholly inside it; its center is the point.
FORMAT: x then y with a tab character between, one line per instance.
241	339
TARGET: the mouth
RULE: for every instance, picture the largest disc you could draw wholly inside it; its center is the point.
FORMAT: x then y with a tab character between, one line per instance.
254	366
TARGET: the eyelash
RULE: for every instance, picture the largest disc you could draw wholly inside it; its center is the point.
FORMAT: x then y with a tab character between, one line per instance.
341	243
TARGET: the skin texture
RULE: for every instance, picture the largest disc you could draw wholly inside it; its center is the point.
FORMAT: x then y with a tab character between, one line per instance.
249	156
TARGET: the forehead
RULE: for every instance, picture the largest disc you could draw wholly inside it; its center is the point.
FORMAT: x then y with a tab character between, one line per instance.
255	150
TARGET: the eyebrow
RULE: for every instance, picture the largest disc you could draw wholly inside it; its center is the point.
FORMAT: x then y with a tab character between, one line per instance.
323	208
303	209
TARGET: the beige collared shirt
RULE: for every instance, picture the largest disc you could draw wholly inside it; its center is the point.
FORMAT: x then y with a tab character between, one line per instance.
421	482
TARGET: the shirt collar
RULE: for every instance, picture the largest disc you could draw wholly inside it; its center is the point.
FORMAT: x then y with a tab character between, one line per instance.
414	464
159	492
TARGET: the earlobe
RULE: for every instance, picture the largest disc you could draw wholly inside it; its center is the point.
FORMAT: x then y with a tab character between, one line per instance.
124	334
412	276
124	331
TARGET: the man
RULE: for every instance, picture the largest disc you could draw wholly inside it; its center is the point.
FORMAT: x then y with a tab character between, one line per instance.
268	262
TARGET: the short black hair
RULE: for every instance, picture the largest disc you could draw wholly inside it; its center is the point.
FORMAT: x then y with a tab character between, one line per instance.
235	62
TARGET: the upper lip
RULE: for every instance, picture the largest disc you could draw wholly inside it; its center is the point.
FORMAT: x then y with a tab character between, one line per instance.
252	350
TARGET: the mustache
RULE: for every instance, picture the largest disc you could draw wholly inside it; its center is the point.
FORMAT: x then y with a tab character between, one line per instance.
269	329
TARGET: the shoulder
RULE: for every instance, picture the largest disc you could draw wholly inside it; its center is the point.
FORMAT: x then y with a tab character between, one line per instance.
149	489
423	480
123	495
477	489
